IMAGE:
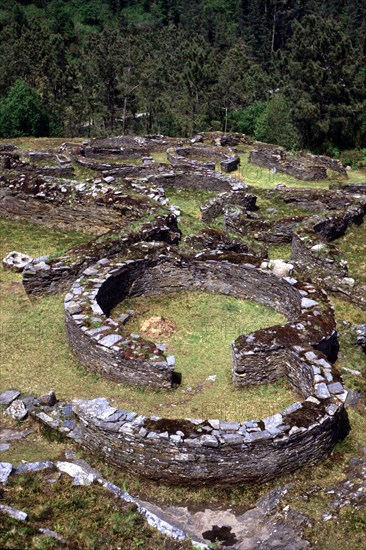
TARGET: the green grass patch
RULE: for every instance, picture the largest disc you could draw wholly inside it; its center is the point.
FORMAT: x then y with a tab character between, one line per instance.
279	251
206	324
273	207
36	240
189	202
266	179
160	156
87	517
352	246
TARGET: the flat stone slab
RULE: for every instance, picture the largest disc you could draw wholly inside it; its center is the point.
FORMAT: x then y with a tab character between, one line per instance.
13	435
81	473
7	397
13	512
33	467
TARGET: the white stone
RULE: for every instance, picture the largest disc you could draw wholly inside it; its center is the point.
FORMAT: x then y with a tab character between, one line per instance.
348	281
17	410
307	303
318	247
13	512
110	340
16	261
5	471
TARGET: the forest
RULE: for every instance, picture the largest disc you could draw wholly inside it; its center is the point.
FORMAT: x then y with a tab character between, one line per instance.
290	72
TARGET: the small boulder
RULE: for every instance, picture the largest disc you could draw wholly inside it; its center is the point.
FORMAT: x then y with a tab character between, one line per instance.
17	410
8	397
16	261
48	399
5	470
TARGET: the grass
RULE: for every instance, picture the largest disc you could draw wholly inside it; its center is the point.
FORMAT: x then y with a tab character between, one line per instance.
160	156
189	201
37	144
266	179
36	348
36	240
352	246
273	207
87	517
37	359
206	325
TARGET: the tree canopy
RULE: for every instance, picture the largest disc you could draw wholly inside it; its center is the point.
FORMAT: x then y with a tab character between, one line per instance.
292	71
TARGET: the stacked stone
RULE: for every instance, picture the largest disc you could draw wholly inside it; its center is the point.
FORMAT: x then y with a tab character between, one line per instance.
263	356
244	221
194	177
279	160
202	452
238	195
101	343
314	253
43	276
107	349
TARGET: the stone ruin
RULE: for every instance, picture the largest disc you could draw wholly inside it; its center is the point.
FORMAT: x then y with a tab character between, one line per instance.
152	260
303	166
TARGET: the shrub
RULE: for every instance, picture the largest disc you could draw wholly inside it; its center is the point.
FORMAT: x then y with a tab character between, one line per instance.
22	114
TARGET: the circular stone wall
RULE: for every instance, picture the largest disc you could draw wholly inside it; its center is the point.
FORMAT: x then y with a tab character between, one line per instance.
206	451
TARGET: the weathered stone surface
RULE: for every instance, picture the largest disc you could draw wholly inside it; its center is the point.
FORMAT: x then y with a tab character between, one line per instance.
278	267
33	467
5	470
7	397
279	160
81	474
361	336
13	512
48	398
216	206
17	410
230	164
11	435
16	261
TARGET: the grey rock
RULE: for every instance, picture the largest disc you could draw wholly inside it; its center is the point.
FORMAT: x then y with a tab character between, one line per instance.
110	340
82	474
229	426
321	391
5	470
13	512
273	421
232	439
73	307
7	397
16	261
17	410
209	441
4	447
307	303
48	399
336	388
33	467
12	435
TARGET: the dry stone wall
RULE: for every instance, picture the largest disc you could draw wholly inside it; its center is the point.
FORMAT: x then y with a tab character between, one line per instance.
304	166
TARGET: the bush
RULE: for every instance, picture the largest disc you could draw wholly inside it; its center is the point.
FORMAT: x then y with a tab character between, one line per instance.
22	114
275	125
244	121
